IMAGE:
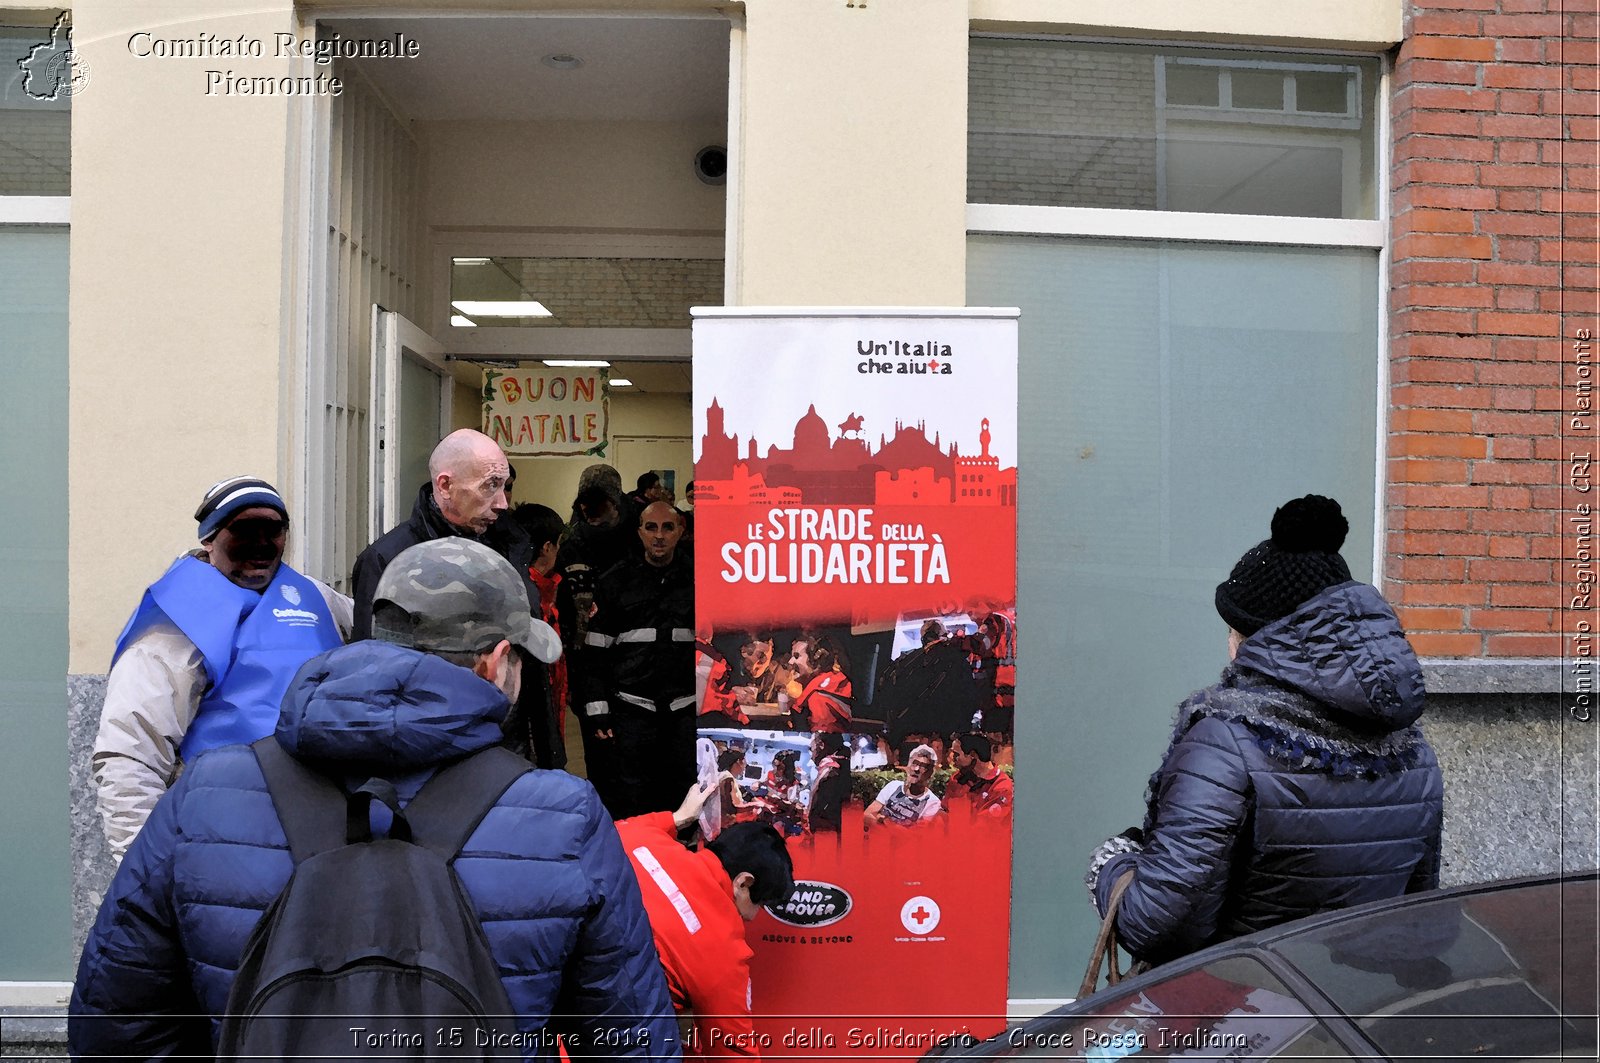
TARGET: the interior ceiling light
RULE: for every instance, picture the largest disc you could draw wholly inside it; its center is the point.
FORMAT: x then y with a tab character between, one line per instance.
491	308
462	322
620	382
562	61
469	261
577	363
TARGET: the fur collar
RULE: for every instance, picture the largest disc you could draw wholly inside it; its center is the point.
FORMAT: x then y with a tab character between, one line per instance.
1298	730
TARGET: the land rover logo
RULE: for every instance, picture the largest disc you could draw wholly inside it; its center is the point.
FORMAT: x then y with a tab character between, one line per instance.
812	904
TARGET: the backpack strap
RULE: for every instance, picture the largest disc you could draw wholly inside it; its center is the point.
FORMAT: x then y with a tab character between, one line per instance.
450	805
310	805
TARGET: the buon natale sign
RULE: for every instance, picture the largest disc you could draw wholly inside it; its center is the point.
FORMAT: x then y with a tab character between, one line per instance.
543	412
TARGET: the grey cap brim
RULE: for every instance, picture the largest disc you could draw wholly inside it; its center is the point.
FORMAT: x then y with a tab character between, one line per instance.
540	640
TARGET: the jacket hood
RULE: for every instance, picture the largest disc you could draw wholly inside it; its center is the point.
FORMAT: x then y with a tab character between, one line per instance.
388	707
1344	648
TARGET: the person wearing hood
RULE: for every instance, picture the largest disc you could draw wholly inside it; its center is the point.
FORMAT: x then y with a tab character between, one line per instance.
1299	782
543	871
467	495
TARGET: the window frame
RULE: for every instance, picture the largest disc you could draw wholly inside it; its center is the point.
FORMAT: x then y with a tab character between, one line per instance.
998	219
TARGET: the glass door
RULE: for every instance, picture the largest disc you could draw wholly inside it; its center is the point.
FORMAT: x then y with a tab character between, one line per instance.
411	394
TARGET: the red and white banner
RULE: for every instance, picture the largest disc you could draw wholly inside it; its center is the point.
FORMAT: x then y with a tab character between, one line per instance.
855	534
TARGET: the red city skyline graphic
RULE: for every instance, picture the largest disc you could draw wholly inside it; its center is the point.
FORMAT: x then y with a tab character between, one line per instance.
819	469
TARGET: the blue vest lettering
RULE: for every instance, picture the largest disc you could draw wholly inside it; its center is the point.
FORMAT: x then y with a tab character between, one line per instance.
252	644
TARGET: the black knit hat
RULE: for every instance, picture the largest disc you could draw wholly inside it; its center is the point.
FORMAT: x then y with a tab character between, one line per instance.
1277	576
227	497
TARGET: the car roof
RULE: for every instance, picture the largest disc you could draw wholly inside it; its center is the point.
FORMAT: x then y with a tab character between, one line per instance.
1266	940
1269	947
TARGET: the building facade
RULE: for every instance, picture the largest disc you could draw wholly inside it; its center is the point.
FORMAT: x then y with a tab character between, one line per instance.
1260	250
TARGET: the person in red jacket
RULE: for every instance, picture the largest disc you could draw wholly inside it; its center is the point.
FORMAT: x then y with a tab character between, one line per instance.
821	689
698	902
977	782
545	529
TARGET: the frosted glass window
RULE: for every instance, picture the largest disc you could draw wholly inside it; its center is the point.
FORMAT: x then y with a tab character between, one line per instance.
35	113
1322	92
1193	86
1259	89
35	911
420	428
1172	395
1064	124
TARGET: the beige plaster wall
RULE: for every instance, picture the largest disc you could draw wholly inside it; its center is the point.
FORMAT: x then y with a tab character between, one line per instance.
849	138
611	175
851	153
554	481
177	293
1365	24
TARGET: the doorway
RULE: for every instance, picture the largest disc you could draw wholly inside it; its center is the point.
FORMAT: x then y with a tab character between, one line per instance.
562	150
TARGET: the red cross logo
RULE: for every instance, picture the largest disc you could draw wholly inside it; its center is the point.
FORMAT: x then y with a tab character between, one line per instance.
920	915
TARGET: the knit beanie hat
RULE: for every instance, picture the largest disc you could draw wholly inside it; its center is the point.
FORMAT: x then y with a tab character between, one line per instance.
224	499
1277	576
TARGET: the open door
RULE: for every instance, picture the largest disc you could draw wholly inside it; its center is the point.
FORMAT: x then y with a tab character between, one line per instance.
411	395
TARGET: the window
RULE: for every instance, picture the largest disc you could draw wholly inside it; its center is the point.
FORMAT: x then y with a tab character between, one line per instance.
36	924
1193	238
35	111
1232	1008
1183	129
1507	972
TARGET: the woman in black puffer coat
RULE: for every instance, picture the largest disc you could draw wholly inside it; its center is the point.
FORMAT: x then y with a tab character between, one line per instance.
1299	783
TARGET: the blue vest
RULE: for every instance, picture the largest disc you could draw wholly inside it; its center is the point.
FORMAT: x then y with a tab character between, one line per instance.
251	644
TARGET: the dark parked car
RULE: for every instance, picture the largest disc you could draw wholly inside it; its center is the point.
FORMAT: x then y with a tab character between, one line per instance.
1503	971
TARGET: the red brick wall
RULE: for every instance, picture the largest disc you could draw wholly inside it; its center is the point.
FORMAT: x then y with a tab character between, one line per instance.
1493	275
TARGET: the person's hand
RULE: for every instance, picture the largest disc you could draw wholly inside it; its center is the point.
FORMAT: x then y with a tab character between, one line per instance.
604	733
688	812
744	695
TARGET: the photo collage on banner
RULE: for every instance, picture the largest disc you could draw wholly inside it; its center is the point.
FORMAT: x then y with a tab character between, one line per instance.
855	514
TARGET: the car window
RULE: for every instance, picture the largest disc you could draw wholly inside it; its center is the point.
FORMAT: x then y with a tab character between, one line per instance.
1506	974
1230	1009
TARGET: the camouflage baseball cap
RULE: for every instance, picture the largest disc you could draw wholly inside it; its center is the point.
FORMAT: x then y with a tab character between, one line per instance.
456	595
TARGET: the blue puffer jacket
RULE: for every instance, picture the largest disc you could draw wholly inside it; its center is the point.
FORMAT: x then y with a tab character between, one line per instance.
545	870
1297	784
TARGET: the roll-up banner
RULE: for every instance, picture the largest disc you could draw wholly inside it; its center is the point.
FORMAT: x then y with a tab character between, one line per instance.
855	531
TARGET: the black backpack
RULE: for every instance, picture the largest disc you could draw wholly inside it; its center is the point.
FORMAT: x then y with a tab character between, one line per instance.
372	949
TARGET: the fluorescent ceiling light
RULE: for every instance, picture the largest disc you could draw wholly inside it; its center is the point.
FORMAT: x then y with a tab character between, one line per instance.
492	308
469	261
577	363
620	382
462	322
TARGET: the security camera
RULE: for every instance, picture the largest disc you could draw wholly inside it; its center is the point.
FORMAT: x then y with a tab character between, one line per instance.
711	164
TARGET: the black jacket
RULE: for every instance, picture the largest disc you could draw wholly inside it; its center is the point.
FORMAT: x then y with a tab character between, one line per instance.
586	554
532	724
1297	784
640	643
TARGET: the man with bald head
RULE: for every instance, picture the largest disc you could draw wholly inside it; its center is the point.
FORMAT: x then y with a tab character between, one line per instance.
636	694
466	496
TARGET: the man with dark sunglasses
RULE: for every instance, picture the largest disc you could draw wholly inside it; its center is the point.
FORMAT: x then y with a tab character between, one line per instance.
208	653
